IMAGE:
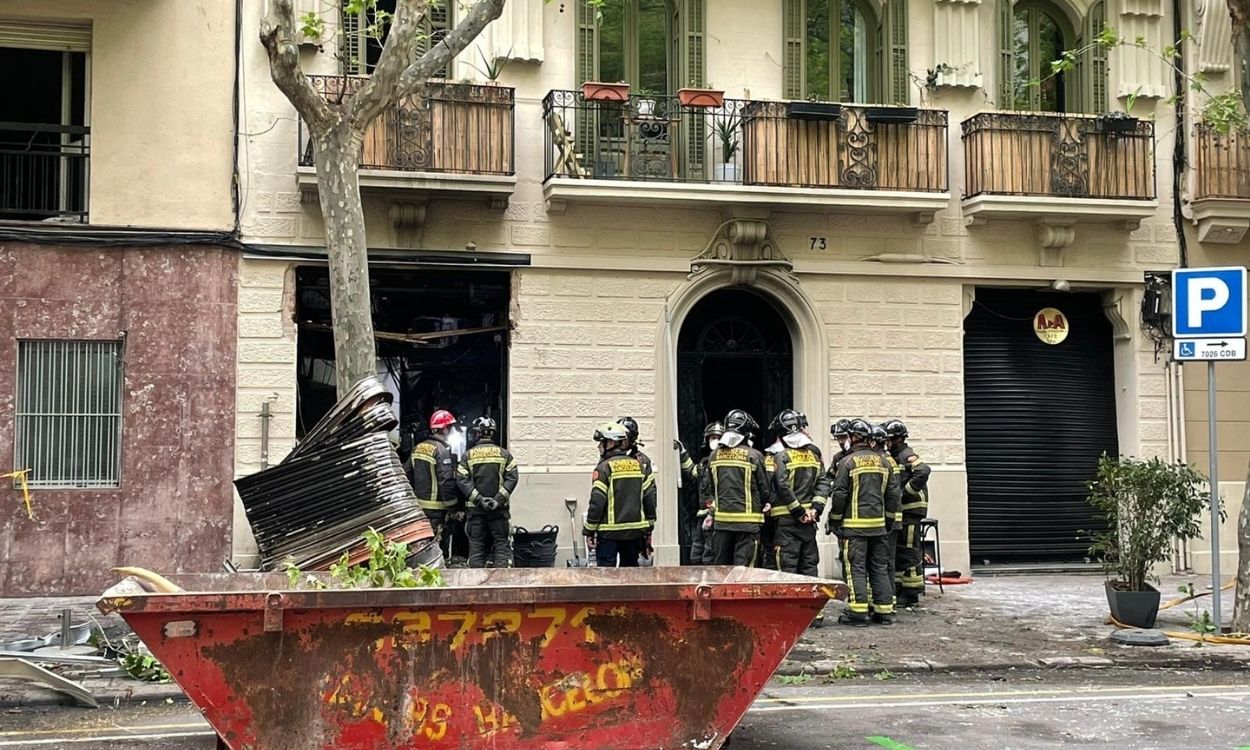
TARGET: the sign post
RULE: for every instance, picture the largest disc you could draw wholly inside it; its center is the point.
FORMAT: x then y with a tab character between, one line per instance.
1209	324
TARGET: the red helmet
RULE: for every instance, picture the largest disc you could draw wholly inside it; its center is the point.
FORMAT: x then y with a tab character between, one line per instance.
442	419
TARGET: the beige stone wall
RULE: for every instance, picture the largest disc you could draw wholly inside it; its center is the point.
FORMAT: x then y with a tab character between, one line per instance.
161	83
266	373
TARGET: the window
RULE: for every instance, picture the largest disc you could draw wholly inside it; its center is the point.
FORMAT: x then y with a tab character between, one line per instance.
362	48
69	412
846	50
638	44
44	138
1032	34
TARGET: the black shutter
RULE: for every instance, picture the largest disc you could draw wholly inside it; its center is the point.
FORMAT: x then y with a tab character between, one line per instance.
1038	417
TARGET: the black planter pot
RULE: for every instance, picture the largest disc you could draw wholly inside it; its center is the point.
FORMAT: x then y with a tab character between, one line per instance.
1119	125
1136	608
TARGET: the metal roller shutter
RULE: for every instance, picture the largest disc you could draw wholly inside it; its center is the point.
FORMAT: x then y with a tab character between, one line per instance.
1038	418
62	36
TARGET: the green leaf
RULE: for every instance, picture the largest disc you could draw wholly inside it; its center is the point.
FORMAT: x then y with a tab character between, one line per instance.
312	26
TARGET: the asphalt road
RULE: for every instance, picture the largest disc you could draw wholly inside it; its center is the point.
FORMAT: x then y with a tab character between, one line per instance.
1139	710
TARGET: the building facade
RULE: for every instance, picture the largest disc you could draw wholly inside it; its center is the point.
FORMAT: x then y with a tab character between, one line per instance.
118	290
896	211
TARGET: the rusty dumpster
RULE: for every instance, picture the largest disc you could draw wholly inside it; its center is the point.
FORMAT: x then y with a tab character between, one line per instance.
538	659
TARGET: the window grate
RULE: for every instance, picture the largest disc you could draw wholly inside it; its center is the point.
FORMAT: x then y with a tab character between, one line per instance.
69	400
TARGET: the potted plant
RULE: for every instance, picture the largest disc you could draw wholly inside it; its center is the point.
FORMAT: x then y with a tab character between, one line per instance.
725	130
598	91
703	98
1146	504
645	101
1118	123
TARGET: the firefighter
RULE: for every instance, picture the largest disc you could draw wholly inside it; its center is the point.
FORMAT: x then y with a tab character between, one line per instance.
879	442
798	503
840	430
768	532
738	486
631	430
863	503
914	477
433	466
621	514
487	477
692	473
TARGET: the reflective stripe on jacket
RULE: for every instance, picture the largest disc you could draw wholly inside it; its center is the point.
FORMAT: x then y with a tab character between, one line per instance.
739	487
914	476
487	471
864	493
622	498
799	481
434	475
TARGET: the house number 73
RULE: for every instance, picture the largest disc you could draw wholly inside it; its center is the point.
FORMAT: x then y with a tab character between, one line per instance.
819	243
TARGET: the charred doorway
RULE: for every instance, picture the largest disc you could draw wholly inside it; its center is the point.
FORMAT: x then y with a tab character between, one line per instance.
442	344
1038	416
734	351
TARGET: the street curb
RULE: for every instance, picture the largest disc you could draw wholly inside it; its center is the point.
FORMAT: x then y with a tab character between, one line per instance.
34	696
824	667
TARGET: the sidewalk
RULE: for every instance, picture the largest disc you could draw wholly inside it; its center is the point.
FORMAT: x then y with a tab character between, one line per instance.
1008	622
992	624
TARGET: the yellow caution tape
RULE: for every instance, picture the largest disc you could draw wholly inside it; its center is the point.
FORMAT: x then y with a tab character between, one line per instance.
20	476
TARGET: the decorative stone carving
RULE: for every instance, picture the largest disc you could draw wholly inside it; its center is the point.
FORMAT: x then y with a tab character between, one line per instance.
517	34
1221	221
744	246
408	220
1215	43
956	43
1140	71
1115	303
1053	237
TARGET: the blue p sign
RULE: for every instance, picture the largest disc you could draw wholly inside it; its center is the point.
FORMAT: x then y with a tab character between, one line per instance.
1208	302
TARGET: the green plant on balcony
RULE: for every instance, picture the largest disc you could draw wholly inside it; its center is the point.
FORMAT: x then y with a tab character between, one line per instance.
725	130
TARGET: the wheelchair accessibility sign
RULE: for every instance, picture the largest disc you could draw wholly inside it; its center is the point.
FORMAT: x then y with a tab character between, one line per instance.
1209	350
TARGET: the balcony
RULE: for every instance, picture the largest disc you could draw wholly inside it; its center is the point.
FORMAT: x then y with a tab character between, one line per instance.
792	155
1058	170
458	141
1221	196
44	172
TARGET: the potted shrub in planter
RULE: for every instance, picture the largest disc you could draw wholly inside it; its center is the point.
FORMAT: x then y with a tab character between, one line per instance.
697	97
1118	123
644	101
1145	504
725	131
598	91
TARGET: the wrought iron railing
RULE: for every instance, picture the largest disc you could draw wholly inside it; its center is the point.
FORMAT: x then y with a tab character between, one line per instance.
761	143
1070	156
43	171
1221	163
457	128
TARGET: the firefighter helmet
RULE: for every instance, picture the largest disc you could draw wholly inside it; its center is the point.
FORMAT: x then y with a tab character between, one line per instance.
483	426
877	434
740	422
442	419
788	422
715	429
896	429
840	427
859	428
610	431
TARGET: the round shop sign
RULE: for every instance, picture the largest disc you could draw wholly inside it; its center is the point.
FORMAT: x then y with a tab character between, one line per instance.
1050	325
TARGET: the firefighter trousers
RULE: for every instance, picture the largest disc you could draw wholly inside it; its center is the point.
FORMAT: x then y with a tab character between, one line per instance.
700	545
489	539
866	567
909	559
618	553
794	547
735	547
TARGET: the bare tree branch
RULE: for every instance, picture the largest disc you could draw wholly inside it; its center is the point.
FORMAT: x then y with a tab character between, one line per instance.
399	52
278	34
441	54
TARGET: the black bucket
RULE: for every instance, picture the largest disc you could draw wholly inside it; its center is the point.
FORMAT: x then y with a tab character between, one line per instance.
534	549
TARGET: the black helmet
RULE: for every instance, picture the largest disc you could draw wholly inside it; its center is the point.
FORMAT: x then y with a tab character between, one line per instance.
740	422
483	426
877	433
715	428
631	428
788	422
803	423
896	429
859	429
840	427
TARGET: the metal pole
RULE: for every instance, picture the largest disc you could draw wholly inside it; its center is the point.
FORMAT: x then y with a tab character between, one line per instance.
264	435
1215	501
67	627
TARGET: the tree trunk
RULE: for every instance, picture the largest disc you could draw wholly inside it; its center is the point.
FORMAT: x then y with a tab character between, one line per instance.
1241	607
337	155
1239	11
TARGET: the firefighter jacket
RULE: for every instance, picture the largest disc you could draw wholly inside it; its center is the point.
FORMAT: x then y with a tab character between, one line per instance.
622	498
914	476
895	479
434	475
739	487
692	474
799	482
864	494
487	471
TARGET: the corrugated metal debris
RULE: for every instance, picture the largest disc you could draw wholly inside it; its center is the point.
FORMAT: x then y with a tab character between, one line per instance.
343	478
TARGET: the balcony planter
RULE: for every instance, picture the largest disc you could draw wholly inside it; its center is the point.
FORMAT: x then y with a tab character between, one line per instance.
896	115
813	111
597	91
645	105
1118	123
701	98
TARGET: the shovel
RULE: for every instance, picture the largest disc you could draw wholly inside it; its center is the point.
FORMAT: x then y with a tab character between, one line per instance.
578	561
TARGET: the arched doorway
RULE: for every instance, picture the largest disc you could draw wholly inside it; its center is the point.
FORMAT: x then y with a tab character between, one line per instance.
734	351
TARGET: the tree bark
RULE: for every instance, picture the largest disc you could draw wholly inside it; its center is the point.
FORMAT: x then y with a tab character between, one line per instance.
337	153
1239	12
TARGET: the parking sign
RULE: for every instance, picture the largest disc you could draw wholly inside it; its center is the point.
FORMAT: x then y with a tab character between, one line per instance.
1208	302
